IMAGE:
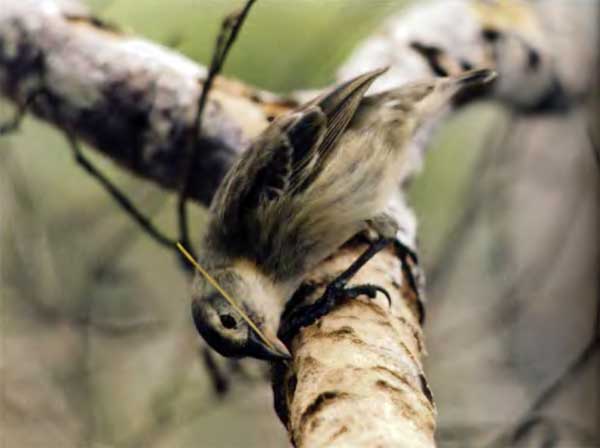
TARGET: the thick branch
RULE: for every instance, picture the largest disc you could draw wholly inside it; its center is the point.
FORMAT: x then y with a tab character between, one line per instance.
357	377
133	100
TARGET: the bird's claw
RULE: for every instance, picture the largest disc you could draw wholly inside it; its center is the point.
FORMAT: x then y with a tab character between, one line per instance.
368	290
333	295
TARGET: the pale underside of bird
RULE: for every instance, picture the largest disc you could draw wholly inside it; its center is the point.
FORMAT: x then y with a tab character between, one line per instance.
312	180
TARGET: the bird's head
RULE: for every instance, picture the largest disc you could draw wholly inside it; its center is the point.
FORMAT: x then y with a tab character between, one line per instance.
234	308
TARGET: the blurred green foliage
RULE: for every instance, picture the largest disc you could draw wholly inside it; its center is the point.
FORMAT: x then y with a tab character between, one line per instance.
284	45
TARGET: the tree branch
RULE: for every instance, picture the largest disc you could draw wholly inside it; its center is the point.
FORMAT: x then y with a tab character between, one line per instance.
230	28
362	354
123	201
130	99
136	102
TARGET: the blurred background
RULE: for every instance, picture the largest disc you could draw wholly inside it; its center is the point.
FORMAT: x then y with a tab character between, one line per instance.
98	349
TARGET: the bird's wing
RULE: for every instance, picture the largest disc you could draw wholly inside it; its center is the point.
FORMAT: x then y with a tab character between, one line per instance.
284	161
338	106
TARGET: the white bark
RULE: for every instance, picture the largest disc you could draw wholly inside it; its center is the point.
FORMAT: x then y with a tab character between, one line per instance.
357	377
133	100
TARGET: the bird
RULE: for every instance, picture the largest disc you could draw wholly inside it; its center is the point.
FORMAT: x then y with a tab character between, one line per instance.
314	178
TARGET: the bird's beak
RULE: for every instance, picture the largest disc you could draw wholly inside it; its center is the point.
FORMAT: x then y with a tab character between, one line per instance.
257	348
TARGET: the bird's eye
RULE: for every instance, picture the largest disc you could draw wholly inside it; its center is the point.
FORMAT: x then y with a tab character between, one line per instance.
227	321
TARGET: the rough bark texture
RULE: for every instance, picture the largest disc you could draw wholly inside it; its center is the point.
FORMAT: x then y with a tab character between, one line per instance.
133	100
356	378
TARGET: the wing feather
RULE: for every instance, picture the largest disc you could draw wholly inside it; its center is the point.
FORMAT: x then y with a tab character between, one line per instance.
261	190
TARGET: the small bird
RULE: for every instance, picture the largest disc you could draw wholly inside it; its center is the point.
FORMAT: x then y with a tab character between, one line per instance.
313	179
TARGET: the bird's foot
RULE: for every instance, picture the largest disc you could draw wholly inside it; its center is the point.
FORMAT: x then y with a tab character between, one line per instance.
334	294
367	289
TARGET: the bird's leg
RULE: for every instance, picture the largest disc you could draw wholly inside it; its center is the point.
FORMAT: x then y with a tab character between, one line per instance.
405	253
335	292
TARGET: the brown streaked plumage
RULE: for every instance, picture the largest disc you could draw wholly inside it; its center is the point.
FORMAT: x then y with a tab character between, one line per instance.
306	185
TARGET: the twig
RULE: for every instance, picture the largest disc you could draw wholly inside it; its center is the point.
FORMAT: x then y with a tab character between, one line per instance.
123	201
14	123
230	28
218	379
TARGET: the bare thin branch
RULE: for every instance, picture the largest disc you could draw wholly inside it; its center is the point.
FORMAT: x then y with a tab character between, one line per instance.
230	29
123	201
139	108
14	123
